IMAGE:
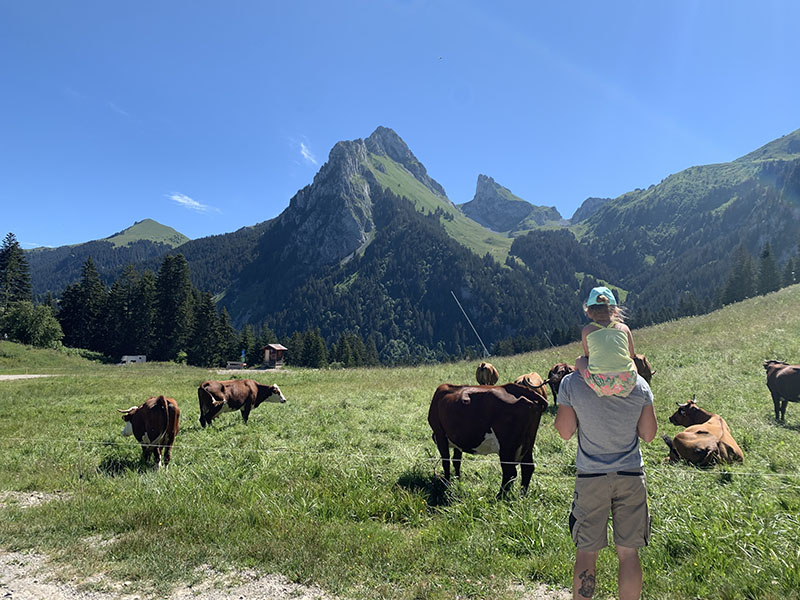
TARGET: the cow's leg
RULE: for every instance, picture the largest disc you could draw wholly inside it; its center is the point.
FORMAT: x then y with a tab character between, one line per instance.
508	465
527	469
157	454
457	458
784	404
776	402
444	451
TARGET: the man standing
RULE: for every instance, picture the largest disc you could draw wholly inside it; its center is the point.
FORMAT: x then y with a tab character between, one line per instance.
610	478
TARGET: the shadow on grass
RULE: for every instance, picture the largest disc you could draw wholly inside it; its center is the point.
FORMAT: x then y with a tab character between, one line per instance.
115	465
432	488
790	427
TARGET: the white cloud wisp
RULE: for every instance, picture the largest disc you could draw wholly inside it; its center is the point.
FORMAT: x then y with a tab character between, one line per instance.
191	204
307	155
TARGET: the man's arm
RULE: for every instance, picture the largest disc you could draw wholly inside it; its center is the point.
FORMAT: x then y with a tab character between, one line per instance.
566	422
647	425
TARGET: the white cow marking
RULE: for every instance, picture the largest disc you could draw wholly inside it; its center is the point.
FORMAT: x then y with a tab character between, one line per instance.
128	429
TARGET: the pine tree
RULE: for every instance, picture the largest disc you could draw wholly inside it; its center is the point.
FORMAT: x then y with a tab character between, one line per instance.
741	283
315	351
83	311
253	352
15	278
203	343
769	279
788	272
174	298
143	315
120	316
227	335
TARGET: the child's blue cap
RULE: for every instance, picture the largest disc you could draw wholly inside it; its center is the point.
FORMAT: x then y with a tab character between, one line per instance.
601	291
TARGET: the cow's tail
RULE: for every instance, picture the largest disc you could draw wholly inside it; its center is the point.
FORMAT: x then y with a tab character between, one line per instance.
668	442
164	434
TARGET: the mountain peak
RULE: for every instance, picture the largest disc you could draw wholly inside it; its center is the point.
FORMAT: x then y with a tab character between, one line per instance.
497	208
149	230
385	142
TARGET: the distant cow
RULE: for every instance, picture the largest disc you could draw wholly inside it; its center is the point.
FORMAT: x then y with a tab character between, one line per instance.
486	419
154	424
486	374
556	374
706	440
218	397
534	382
644	367
783	381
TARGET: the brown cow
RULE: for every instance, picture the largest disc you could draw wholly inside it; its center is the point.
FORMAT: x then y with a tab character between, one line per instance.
706	440
218	397
644	367
486	374
783	381
556	374
154	424
487	419
534	382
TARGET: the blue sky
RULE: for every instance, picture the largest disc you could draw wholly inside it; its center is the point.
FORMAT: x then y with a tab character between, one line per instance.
209	115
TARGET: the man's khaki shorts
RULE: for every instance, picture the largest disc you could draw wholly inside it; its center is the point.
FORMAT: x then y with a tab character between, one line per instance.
624	496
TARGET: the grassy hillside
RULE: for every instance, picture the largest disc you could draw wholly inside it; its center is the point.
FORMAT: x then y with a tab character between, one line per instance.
466	231
149	230
338	486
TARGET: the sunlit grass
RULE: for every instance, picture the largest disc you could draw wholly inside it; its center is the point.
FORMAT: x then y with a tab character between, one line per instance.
338	486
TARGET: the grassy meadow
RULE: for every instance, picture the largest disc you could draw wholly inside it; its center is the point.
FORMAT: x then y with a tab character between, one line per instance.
339	486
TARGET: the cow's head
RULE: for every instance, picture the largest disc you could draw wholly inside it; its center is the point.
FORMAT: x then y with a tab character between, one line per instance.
689	414
127	416
268	393
643	367
771	364
557	373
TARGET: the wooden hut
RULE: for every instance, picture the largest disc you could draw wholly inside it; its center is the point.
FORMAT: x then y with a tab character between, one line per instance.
273	355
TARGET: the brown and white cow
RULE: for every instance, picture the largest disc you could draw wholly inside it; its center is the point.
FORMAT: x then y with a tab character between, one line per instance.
487	419
534	382
643	366
706	440
783	382
154	424
219	397
556	374
486	374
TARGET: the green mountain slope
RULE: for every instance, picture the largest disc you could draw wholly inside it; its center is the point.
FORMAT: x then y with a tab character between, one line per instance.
461	228
148	230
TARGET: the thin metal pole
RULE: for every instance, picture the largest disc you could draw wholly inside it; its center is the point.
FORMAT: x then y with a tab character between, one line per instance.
485	351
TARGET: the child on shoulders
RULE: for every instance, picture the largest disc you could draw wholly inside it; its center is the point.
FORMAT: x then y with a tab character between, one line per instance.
607	365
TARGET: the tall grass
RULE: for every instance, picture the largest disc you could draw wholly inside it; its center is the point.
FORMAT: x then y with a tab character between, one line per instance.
339	485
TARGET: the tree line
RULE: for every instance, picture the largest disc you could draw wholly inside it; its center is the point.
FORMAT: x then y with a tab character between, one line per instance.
160	315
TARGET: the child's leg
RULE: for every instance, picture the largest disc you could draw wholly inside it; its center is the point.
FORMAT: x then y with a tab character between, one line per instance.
582	363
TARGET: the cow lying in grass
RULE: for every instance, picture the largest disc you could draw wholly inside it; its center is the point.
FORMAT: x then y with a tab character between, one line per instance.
706	440
783	382
219	397
487	419
154	424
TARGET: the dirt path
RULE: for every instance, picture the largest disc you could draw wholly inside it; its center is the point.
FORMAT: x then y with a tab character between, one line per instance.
25	576
12	377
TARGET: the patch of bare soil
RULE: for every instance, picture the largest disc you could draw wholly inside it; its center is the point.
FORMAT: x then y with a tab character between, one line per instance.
33	577
12	377
26	499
